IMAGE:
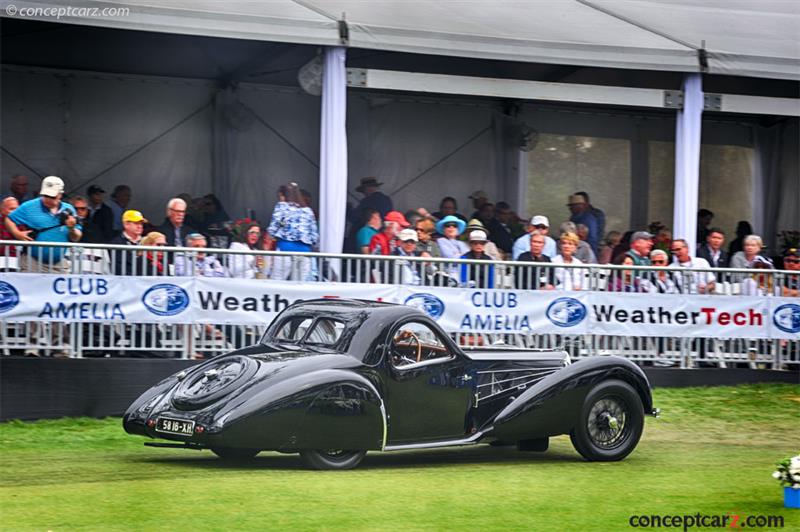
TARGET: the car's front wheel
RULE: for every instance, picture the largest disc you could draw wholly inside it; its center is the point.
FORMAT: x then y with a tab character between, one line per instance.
610	423
331	459
234	453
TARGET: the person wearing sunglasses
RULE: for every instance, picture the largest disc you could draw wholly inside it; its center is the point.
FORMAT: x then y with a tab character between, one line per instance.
695	282
522	244
247	237
791	262
174	226
662	281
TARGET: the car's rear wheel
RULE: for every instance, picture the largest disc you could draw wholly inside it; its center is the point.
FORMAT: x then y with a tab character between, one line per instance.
610	423
235	453
332	458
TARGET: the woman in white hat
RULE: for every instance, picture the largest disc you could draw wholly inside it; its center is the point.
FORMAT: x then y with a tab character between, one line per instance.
477	275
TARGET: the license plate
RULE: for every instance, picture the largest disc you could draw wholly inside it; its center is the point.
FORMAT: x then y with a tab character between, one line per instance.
175	426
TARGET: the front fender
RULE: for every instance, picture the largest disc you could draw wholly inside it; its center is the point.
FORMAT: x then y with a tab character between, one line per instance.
552	405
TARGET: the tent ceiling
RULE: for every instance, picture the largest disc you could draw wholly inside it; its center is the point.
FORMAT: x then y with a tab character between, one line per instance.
743	37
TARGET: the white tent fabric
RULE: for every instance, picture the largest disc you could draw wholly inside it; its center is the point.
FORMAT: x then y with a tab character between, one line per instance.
333	152
239	143
687	160
741	37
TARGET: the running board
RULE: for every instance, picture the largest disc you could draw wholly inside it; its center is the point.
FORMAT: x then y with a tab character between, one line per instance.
434	444
187	445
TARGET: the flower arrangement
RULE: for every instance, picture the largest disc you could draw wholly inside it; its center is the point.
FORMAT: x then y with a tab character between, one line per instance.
240	226
788	472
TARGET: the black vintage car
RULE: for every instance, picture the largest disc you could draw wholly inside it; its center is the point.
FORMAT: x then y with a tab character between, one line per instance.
333	379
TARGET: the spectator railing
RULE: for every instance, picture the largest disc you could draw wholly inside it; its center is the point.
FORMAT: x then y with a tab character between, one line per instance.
187	340
420	271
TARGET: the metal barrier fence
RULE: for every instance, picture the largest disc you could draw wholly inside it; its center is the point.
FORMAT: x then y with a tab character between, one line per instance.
40	257
196	340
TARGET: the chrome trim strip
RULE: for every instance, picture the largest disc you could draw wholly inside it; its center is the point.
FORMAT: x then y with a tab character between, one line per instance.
385	426
434	444
501	355
549	369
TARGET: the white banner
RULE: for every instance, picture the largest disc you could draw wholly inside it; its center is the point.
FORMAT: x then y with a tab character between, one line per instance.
31	297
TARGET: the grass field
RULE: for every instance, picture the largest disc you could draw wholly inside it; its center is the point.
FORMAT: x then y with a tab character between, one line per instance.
711	452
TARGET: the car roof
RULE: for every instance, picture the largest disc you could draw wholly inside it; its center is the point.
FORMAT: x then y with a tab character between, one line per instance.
367	319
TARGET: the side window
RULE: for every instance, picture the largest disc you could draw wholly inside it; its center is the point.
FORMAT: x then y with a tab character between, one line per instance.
294	329
415	342
326	332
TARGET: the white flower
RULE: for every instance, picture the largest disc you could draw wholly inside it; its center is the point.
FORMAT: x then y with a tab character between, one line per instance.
776	474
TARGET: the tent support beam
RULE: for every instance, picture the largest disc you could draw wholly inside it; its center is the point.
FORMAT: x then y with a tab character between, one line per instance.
562	92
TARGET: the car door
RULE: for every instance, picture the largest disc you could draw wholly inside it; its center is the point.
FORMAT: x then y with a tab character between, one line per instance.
428	390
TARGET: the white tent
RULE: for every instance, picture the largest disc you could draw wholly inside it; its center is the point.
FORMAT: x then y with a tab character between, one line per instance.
739	37
188	122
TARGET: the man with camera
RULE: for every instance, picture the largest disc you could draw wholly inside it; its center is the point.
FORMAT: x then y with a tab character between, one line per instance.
45	219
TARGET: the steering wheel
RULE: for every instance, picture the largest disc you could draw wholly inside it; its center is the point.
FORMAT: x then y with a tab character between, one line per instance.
410	334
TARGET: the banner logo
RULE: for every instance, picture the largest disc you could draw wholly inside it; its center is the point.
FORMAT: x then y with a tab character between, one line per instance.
787	318
427	303
9	297
165	299
566	312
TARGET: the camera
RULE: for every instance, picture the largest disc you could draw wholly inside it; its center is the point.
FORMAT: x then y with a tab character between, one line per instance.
62	217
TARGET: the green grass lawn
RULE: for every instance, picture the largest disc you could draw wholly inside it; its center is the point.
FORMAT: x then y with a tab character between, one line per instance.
711	452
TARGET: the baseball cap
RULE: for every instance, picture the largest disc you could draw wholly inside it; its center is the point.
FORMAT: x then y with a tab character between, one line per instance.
396	216
479	194
575	199
133	216
540	220
407	234
94	189
641	235
477	236
52	186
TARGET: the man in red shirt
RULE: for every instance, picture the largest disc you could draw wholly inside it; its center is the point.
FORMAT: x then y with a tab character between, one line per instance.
384	242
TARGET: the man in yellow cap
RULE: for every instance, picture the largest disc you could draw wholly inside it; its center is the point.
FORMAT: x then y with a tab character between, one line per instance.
132	229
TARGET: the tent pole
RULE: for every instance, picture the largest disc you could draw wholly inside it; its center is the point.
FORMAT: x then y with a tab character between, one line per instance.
687	161
333	154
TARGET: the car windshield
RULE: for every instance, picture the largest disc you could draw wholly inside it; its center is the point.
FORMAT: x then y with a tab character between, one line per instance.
308	330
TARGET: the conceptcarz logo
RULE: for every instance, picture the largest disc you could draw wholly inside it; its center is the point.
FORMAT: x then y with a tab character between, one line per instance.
165	299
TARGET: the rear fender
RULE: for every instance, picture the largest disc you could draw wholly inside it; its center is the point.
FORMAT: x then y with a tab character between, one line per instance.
552	405
326	409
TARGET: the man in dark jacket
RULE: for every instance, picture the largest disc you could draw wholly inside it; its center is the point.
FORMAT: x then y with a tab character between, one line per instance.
535	278
173	227
100	214
132	229
477	275
712	250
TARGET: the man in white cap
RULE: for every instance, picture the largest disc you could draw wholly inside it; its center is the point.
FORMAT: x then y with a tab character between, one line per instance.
45	219
408	272
523	244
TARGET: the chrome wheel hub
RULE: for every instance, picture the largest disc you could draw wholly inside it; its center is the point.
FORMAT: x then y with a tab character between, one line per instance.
607	423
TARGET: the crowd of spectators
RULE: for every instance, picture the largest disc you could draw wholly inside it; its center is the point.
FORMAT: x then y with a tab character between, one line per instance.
493	232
